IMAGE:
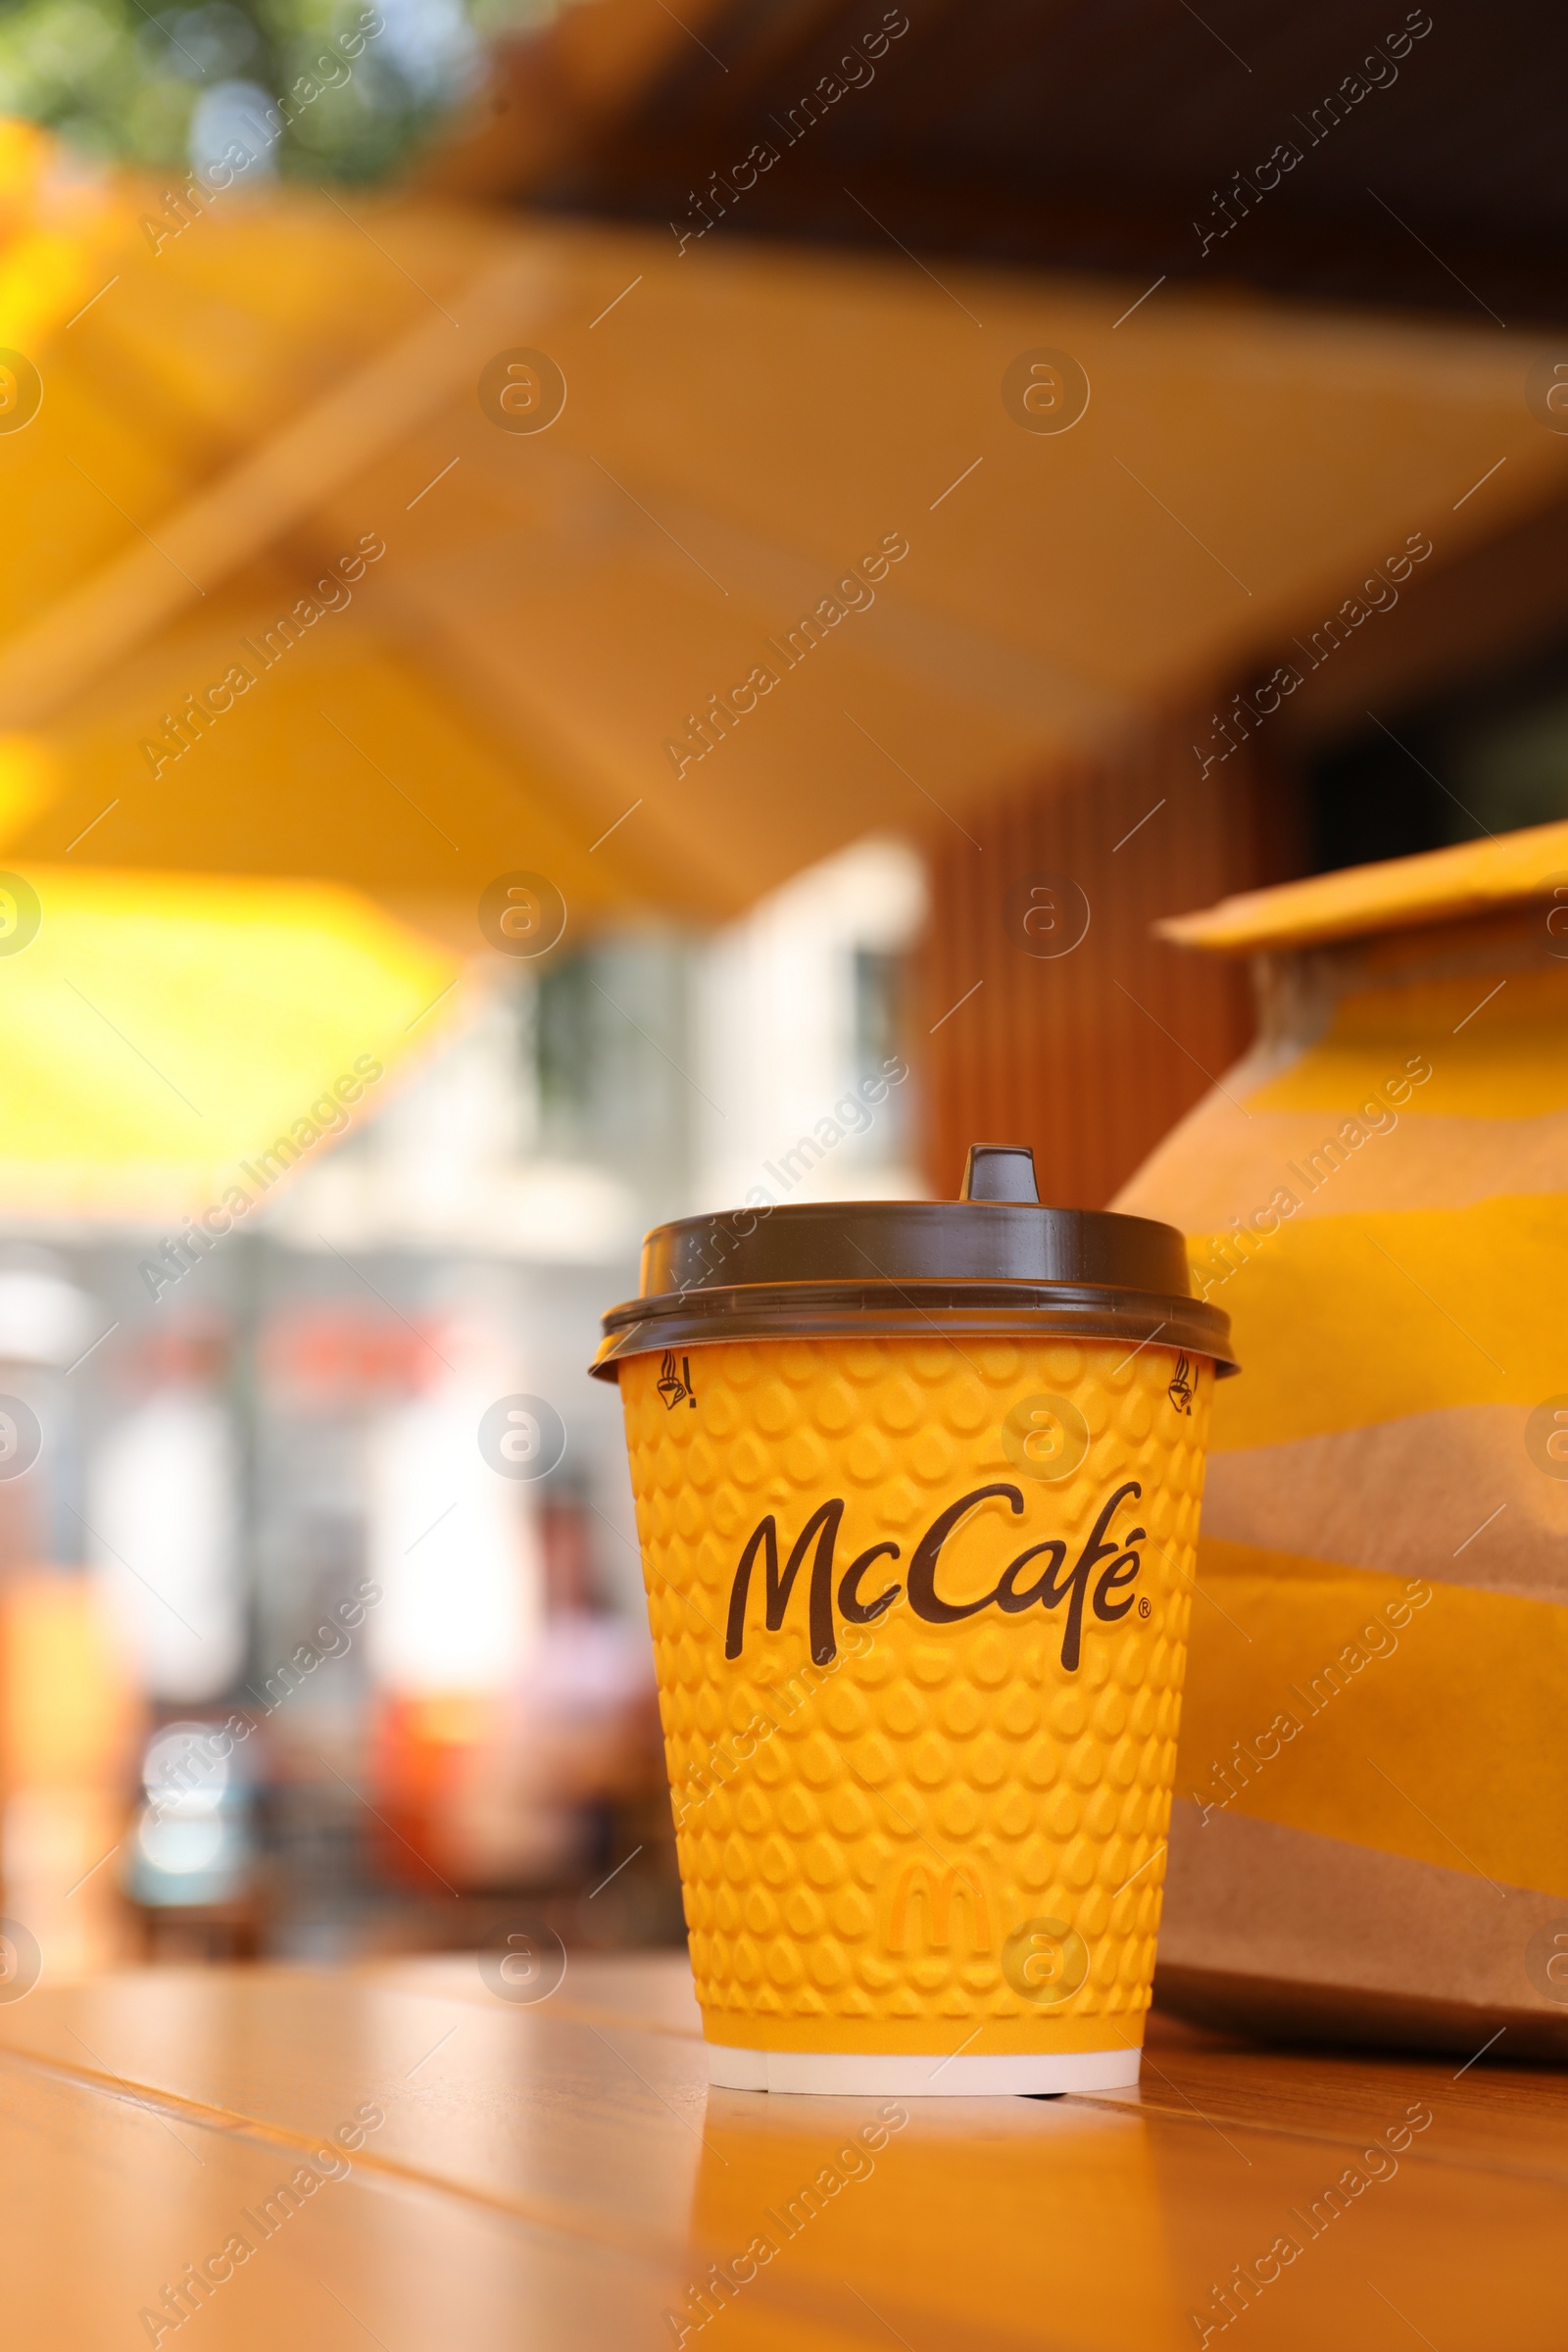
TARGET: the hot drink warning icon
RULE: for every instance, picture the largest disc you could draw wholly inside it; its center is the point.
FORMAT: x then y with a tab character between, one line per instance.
675	1387
1180	1391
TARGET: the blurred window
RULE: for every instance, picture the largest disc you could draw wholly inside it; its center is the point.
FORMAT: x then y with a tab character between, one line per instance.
613	1053
1491	760
879	996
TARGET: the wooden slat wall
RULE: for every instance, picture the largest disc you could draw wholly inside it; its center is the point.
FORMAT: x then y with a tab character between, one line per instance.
1091	1057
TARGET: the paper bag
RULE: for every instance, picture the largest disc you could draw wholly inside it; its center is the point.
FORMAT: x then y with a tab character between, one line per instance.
1370	1838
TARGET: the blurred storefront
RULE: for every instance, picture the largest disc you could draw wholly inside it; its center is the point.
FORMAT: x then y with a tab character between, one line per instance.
324	1536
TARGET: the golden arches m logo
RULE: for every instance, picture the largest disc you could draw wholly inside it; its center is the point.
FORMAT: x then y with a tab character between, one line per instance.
920	1887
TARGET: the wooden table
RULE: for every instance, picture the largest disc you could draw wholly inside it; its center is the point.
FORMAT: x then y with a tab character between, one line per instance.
559	2175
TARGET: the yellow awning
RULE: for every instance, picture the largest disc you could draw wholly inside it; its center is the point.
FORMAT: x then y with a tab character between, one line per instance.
172	1042
540	670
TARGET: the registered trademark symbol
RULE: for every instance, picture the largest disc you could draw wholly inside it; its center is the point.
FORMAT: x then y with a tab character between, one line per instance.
1145	1607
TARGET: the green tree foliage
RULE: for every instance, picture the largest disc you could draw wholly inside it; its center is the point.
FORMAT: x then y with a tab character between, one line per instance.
341	90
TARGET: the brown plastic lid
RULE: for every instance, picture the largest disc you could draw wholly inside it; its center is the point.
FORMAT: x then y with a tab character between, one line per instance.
992	1263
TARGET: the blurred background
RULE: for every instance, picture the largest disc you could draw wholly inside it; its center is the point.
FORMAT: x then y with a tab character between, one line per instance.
608	614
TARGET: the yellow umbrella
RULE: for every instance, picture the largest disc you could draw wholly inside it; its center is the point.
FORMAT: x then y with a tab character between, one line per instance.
179	1045
556	645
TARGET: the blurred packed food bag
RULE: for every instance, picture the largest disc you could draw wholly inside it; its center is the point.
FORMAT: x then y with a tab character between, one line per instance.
1370	1838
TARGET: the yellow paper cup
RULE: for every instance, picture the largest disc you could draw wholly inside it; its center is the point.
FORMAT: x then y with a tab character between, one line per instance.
919	1583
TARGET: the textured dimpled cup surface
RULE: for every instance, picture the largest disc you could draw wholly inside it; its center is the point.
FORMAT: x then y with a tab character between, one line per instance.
920	1609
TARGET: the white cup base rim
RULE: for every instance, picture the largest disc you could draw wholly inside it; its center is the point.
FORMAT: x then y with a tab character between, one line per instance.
901	2076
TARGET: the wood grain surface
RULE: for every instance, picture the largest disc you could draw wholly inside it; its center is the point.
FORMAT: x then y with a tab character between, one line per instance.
556	2173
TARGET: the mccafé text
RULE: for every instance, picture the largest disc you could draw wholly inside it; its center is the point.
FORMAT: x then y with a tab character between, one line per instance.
1052	1584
